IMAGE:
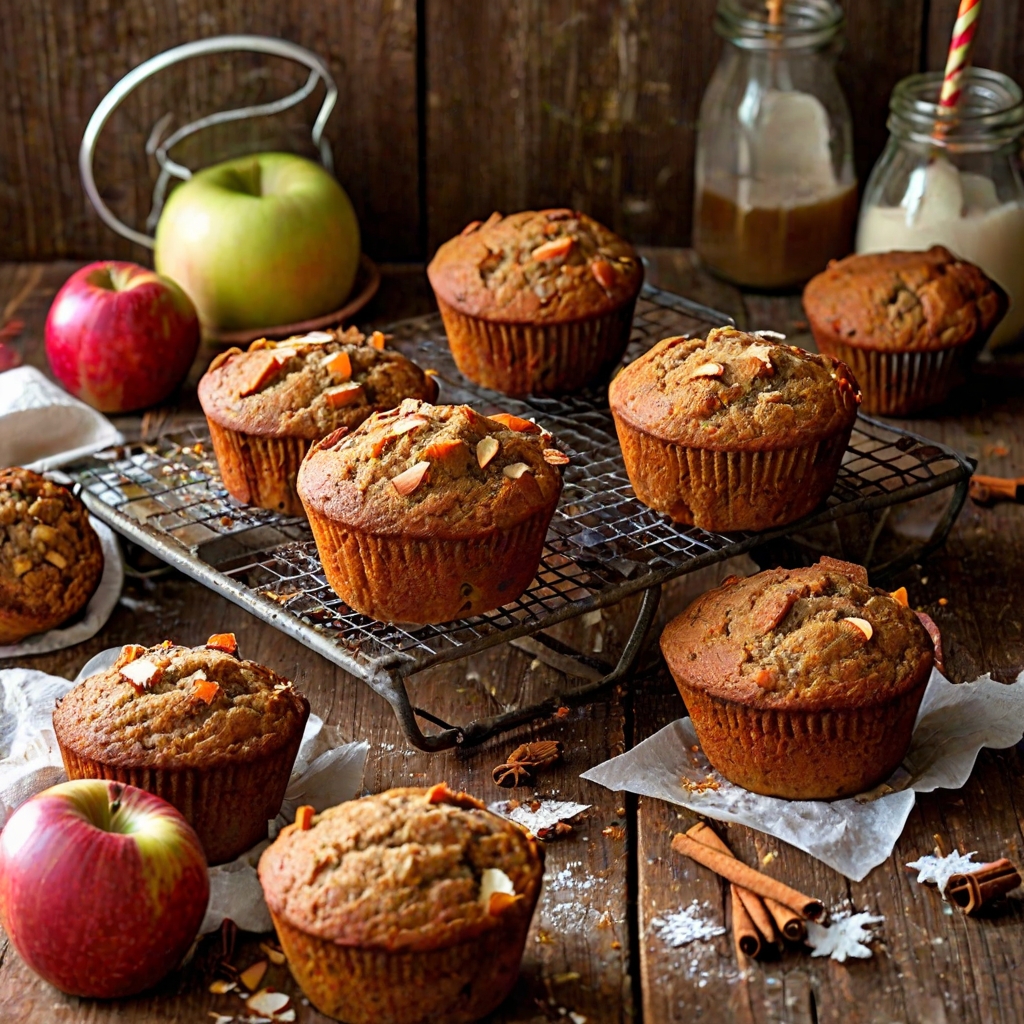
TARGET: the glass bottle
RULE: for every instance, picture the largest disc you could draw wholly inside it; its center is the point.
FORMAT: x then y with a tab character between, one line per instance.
954	179
775	191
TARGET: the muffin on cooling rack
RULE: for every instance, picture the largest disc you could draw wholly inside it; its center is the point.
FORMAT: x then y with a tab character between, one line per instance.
735	432
267	405
540	301
801	683
408	907
50	557
431	513
212	734
910	324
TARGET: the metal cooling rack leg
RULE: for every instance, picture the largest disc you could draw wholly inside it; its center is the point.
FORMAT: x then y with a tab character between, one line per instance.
393	690
939	534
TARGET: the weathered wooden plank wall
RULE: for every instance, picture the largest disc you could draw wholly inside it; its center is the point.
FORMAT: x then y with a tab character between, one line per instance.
471	106
59	57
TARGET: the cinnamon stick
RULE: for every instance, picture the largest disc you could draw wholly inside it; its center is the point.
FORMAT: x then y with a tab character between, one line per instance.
758	914
774	11
970	892
736	871
763	920
788	921
744	933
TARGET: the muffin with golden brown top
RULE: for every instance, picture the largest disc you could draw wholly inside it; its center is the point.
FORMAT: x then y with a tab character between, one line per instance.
431	513
540	301
801	683
909	323
408	907
267	405
212	734
50	557
735	432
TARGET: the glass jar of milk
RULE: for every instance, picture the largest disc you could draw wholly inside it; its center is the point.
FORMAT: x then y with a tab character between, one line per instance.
954	180
775	191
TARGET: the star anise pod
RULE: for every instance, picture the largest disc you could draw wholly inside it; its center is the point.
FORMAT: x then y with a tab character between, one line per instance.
525	761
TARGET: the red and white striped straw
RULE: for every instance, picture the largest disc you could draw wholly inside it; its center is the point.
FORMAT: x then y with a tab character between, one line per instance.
959	59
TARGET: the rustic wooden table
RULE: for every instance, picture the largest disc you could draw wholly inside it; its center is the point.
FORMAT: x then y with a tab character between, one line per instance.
593	954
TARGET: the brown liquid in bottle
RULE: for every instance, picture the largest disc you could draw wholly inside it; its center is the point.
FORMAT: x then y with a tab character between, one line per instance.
773	246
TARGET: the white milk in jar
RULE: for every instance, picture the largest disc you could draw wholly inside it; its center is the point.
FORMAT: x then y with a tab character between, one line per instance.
959	187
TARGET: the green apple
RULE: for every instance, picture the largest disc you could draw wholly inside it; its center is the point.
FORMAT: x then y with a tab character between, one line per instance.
258	241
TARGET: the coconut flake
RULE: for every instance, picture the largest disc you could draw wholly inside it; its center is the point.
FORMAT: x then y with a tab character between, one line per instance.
516	470
846	936
267	1001
317	337
939	870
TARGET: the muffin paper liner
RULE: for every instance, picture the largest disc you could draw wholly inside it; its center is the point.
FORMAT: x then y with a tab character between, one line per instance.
260	470
853	835
540	359
453	985
904	383
229	806
409	579
730	490
804	755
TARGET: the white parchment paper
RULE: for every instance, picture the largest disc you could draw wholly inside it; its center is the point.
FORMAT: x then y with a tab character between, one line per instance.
853	835
326	772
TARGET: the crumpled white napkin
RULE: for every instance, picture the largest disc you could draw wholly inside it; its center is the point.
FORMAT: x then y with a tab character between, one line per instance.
325	773
853	835
42	426
96	612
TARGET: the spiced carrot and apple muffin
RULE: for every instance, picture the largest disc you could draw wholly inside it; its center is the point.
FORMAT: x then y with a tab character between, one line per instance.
735	431
50	557
910	324
209	732
431	513
408	907
265	406
801	683
539	301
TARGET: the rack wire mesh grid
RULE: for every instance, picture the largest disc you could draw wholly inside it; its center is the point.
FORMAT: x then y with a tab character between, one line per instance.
602	545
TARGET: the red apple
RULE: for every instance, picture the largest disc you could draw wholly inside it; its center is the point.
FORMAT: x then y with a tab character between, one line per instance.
121	337
103	887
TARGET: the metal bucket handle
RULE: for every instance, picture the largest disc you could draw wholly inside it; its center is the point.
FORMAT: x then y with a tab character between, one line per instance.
155	147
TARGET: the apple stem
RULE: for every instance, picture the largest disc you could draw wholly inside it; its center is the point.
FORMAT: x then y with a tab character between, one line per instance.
115	804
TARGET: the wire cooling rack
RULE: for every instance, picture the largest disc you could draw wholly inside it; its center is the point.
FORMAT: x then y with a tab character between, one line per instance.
602	546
